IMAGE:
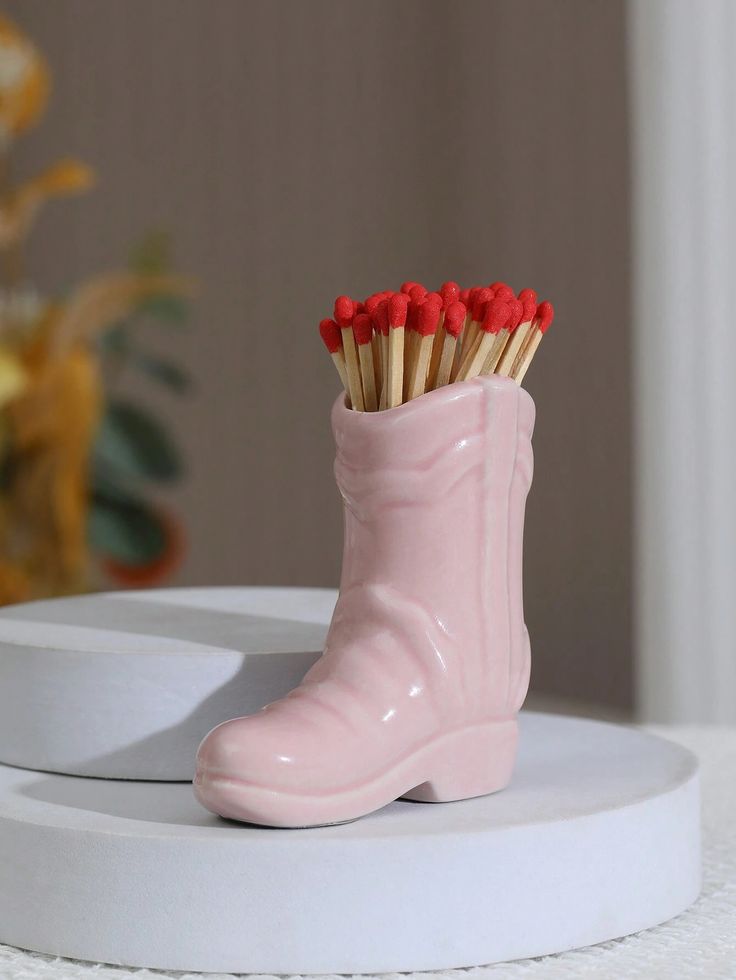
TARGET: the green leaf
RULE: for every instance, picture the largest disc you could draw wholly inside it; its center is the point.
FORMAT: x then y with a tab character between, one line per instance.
109	487
165	306
115	340
169	374
152	255
130	533
135	444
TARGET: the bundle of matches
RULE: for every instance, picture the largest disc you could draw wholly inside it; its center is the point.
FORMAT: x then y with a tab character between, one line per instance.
398	345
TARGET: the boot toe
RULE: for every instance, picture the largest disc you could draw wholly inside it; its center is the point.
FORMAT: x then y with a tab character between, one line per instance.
241	750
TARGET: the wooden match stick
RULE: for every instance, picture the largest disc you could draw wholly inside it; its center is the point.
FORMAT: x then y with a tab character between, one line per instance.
377	364
496	317
379	353
452	328
397	310
499	344
479	299
517	335
529	298
427	322
363	333
466	298
344	313
409	335
542	322
449	292
417	294
380	327
332	339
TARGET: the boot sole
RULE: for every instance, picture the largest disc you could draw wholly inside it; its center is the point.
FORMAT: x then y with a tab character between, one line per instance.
459	765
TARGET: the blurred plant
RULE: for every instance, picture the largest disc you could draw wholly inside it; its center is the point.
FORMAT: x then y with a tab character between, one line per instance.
76	461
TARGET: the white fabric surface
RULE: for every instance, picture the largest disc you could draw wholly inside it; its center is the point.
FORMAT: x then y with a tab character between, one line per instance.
700	943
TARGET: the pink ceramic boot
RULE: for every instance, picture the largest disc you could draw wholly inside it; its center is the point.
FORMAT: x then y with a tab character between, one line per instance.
427	657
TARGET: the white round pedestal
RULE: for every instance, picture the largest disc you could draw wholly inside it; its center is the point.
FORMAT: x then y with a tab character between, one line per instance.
126	685
597	837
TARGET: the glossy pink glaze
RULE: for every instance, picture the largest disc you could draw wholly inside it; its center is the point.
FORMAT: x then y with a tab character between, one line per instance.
427	658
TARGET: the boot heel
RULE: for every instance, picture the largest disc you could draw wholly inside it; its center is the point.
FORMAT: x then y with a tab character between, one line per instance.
473	762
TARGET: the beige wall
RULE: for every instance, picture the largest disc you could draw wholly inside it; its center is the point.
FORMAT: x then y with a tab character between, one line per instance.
301	149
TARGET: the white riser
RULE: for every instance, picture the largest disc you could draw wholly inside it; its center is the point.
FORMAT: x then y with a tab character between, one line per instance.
125	685
597	837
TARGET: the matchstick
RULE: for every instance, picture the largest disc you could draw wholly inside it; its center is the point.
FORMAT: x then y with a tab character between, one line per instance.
369	307
542	322
466	298
380	326
452	328
397	310
499	345
449	292
496	317
427	322
377	364
344	314
417	294
363	333
529	299
480	302
332	338
519	334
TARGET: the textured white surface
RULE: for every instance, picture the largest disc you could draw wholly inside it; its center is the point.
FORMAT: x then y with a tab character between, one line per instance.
125	685
596	837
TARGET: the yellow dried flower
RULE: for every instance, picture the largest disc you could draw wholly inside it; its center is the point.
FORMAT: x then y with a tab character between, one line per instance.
24	81
20	207
13	378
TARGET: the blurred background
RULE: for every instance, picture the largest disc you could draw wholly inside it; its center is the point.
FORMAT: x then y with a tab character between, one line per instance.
248	161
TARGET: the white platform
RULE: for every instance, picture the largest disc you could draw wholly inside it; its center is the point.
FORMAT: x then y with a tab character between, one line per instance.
126	685
598	836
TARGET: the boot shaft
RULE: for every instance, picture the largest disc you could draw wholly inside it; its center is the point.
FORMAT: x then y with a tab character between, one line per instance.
434	494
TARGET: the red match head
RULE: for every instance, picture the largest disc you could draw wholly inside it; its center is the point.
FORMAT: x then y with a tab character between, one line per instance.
372	302
545	315
529	299
412	313
406	287
516	315
417	292
464	297
480	302
434	298
398	304
455	318
450	292
497	315
331	336
428	317
344	311
380	318
362	329
502	290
